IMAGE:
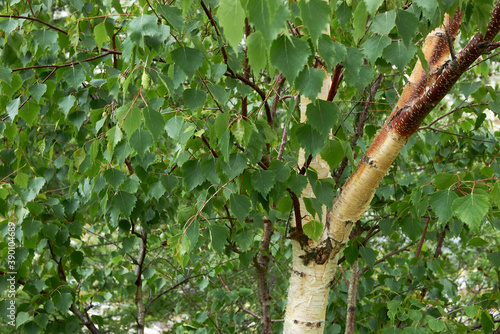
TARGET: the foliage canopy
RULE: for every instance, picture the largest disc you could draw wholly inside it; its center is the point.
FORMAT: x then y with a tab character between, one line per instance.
146	145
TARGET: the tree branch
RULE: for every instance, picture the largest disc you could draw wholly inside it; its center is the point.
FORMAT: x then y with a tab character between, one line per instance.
261	263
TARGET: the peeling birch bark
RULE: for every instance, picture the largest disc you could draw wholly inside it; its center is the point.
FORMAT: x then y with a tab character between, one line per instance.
315	263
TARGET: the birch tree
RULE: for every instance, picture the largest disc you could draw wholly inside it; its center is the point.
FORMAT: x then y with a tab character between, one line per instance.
228	166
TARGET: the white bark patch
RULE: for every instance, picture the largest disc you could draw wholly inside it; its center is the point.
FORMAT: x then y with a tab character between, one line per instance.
308	293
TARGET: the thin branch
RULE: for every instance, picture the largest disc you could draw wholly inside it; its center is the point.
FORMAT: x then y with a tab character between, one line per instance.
55	66
359	128
365	269
422	238
34	19
261	263
173	287
352	298
337	76
458	135
240	305
428	126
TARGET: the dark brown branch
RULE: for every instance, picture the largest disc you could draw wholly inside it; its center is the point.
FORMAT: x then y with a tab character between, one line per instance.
337	76
76	62
34	19
204	139
212	21
352	299
422	238
261	263
254	86
407	120
274	106
139	297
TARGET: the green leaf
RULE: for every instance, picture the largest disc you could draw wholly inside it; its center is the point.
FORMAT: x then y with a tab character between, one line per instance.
369	255
8	26
310	81
428	7
315	16
468	88
359	21
280	169
114	177
495	194
29	112
333	153
398	54
66	103
437	325
188	59
313	229
444	180
333	53
351	253
242	131
323	190
297	183
471	209
37	91
472	311
240	206
407	24
477	242
75	76
494	258
219	235
124	202
21	318
173	16
310	139
194	98
256	51
141	141
114	136
132	120
374	47
62	301
441	203
33	188
192	174
268	16
289	55
193	232
232	19
31	227
101	35
263	181
322	115
79	156
13	108
353	65
384	22
154	122
235	166
373	5
45	38
143	25
225	146
487	322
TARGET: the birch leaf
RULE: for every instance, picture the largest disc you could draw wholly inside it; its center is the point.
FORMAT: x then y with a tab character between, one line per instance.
471	209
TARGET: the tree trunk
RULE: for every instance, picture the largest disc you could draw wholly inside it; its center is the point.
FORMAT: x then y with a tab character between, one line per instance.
315	263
